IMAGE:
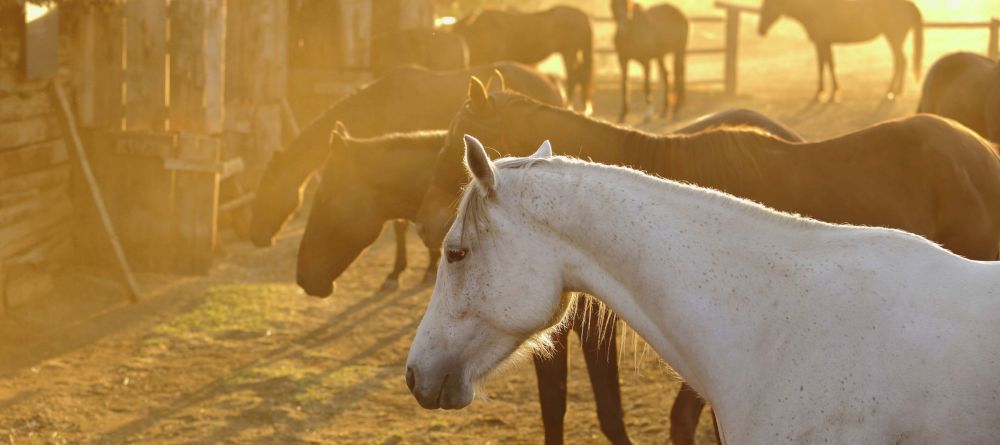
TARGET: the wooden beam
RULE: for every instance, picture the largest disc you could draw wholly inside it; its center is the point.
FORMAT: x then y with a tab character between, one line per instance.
95	192
145	65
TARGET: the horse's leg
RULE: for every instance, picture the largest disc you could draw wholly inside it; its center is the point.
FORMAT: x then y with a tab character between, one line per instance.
571	66
623	67
898	67
392	281
647	92
551	373
665	76
432	265
828	56
600	350
821	64
684	416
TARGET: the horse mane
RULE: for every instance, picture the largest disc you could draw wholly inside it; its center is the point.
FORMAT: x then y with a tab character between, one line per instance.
474	200
652	152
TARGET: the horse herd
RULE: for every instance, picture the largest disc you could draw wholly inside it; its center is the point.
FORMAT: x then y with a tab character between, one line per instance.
396	150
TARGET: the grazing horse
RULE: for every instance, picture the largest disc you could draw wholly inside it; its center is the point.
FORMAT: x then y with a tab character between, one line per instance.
370	181
965	87
650	34
406	99
435	50
853	21
495	35
921	174
797	331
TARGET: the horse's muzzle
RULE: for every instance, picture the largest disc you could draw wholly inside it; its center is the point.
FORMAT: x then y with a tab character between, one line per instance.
316	288
439	390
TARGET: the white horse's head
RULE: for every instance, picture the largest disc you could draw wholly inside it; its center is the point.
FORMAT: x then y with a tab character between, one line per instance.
499	288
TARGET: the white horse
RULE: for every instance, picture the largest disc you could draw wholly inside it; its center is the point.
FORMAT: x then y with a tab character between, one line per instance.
796	331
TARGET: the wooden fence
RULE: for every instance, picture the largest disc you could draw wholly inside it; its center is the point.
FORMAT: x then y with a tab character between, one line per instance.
149	82
730	49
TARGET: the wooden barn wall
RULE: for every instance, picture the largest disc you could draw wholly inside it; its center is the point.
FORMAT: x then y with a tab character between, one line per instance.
36	209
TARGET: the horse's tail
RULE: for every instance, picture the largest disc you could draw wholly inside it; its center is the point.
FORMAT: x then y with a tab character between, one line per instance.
586	72
918	40
680	77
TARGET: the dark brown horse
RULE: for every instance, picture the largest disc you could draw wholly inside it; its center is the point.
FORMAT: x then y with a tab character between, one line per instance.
406	99
435	50
645	35
965	87
494	35
852	21
355	200
920	174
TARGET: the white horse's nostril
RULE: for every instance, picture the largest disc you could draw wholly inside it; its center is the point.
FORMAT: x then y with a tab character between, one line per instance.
411	379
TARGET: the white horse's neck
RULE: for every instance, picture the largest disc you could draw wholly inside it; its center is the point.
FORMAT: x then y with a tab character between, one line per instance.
710	282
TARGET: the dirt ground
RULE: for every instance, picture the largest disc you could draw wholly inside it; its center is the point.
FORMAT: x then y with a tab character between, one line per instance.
242	356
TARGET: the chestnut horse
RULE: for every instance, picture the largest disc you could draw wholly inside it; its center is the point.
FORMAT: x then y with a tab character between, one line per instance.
650	34
436	50
921	174
965	87
850	21
370	181
406	99
495	35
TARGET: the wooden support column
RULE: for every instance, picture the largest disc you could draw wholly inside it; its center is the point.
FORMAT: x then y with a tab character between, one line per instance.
732	49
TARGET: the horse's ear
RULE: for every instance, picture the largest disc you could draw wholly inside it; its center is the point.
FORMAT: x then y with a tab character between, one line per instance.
479	164
496	82
479	101
339	127
544	151
337	140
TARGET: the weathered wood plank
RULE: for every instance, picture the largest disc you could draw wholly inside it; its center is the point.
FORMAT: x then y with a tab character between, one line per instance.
196	210
16	107
32	158
29	131
256	51
57	175
196	28
145	64
17	237
29	205
100	67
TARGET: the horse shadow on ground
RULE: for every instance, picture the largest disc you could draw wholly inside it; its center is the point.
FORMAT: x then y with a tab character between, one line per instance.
266	391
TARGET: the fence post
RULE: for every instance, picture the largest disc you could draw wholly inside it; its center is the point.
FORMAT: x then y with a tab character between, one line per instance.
732	48
994	49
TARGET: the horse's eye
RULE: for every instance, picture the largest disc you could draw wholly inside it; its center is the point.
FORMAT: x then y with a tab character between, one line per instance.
454	255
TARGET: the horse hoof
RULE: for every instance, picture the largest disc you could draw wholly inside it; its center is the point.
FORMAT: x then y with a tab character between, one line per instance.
390	285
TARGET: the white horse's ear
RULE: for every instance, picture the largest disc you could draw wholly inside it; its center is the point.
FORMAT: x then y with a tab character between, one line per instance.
544	151
339	127
479	164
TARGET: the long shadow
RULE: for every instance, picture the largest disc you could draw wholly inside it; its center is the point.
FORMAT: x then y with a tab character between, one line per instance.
342	400
314	338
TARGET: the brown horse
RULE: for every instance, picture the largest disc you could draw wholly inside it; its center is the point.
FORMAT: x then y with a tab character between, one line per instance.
920	174
965	87
354	201
650	34
851	21
406	99
494	35
435	50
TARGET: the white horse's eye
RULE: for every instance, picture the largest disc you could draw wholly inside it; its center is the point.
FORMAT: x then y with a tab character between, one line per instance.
454	255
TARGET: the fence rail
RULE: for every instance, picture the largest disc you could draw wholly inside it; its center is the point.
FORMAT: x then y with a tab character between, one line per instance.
993	25
730	48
